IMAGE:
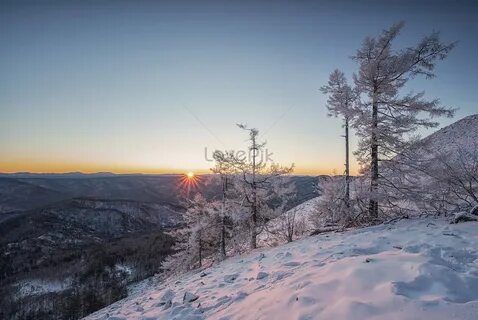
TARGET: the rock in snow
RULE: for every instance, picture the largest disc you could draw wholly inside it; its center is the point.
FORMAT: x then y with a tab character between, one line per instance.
189	297
261	275
464	217
474	211
433	276
167	296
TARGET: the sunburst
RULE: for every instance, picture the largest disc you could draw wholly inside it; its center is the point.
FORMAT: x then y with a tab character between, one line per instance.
189	181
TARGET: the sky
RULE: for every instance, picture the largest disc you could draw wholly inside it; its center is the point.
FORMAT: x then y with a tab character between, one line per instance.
156	86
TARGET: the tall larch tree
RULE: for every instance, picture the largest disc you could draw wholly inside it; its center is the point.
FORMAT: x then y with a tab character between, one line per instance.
388	118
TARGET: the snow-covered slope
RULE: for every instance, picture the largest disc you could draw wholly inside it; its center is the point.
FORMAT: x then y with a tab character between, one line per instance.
460	134
456	137
274	229
411	269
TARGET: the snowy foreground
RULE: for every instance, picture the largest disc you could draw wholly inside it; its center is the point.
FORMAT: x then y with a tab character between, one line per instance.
410	269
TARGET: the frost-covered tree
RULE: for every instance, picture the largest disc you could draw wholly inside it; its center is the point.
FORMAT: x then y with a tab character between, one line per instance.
198	238
254	184
287	224
329	209
388	118
292	225
456	176
448	179
225	169
340	103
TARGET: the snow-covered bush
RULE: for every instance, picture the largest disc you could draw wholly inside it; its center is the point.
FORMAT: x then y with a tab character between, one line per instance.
451	183
331	207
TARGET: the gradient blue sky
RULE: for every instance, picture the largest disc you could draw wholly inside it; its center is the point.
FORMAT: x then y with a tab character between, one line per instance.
147	86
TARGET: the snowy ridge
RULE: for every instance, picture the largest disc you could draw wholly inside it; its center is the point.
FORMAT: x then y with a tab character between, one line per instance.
411	269
460	134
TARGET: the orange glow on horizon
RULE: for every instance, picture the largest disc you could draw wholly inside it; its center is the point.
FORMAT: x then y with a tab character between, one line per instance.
65	167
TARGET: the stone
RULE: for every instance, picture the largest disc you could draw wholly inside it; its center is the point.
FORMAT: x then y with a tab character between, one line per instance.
189	297
474	211
464	217
166	298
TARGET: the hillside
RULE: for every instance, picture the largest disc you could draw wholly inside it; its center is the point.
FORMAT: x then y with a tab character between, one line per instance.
438	172
17	195
88	250
410	269
460	134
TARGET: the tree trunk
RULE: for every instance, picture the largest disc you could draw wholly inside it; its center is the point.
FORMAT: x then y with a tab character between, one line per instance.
347	165
373	205
223	239
200	250
254	196
253	229
223	218
290	232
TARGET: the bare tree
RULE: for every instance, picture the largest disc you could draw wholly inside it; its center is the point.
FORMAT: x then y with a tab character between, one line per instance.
287	223
292	225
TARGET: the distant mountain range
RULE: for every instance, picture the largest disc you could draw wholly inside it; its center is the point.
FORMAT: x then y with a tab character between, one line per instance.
19	192
57	175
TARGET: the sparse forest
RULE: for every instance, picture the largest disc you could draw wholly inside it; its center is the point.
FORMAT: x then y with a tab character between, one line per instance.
399	177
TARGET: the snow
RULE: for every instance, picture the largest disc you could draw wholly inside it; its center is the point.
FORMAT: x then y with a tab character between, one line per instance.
124	268
409	269
460	134
303	217
30	287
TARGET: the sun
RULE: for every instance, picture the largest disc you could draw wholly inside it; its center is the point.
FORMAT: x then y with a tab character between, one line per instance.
189	181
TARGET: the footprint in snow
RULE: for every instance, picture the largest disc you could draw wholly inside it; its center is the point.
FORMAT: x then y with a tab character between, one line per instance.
281	275
291	264
240	296
230	277
260	257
